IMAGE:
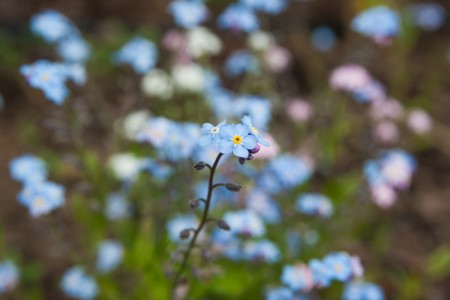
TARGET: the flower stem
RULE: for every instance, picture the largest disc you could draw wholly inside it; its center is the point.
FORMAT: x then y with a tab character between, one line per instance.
202	223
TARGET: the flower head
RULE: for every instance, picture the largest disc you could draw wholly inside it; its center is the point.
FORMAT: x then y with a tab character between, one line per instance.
246	120
41	197
239	17
188	13
77	284
140	53
9	276
236	139
210	133
109	256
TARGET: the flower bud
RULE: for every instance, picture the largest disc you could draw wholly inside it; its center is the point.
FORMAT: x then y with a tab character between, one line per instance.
194	203
223	225
233	187
256	149
250	157
199	166
185	233
242	160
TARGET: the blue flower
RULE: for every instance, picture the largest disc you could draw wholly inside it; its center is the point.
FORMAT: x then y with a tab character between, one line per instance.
240	62
246	120
48	77
279	293
268	6
245	222
320	273
297	277
41	197
210	133
9	276
28	168
140	53
377	22
51	26
323	38
236	139
181	141
117	207
262	203
261	250
188	13
428	16
362	291
74	50
258	108
238	17
314	204
77	284
159	170
109	256
339	265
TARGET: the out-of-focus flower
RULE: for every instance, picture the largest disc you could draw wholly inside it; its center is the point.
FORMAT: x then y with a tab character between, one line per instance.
299	110
320	272
140	53
268	6
262	203
236	139
180	223
361	291
297	277
155	131
28	168
246	120
323	38
238	17
210	133
189	77
41	197
260	40
373	91
387	109
240	62
202	41
74	50
378	22
419	121
339	265
77	284
51	26
9	276
280	293
357	268
125	166
109	255
386	131
133	122
117	207
245	222
174	40
314	204
428	16
188	13
383	195
157	83
261	251
277	58
349	78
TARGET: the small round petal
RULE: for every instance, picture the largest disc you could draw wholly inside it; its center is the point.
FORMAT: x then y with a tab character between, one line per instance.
240	151
226	146
241	130
205	140
206	128
250	142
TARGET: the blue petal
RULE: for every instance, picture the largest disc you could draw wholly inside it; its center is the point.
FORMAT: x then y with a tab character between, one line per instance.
205	140
247	121
227	131
226	146
206	128
240	151
262	141
222	123
250	142
241	130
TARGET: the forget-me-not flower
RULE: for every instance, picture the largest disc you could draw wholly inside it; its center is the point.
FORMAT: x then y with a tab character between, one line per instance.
188	13
210	133
77	284
239	16
236	139
41	197
28	168
140	53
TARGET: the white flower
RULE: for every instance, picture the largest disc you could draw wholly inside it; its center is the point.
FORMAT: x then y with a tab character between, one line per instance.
419	121
201	41
260	40
157	83
125	165
188	77
134	122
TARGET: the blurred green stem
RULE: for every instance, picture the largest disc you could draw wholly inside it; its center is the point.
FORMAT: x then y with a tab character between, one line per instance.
201	225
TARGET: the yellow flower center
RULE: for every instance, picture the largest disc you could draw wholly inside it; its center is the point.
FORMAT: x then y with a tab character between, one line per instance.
255	131
237	139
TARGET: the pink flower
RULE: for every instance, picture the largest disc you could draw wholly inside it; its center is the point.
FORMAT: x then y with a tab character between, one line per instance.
349	78
386	109
277	58
383	195
386	131
299	110
419	121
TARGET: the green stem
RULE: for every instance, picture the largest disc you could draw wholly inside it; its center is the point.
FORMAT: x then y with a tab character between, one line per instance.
203	221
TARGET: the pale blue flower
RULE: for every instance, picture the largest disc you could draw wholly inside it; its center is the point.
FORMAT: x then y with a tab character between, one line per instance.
339	265
117	207
314	204
258	108
362	291
280	293
262	203
377	22
268	6
9	276
263	250
180	223
236	139
52	26
73	49
188	13
323	38
77	284
246	120
240	62
320	272
238	17
41	197
141	54
28	168
245	222
297	277
428	16
109	255
210	133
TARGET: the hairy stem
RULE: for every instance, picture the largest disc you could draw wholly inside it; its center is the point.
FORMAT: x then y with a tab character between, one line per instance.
202	223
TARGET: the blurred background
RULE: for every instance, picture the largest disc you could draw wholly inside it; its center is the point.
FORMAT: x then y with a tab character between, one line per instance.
405	248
